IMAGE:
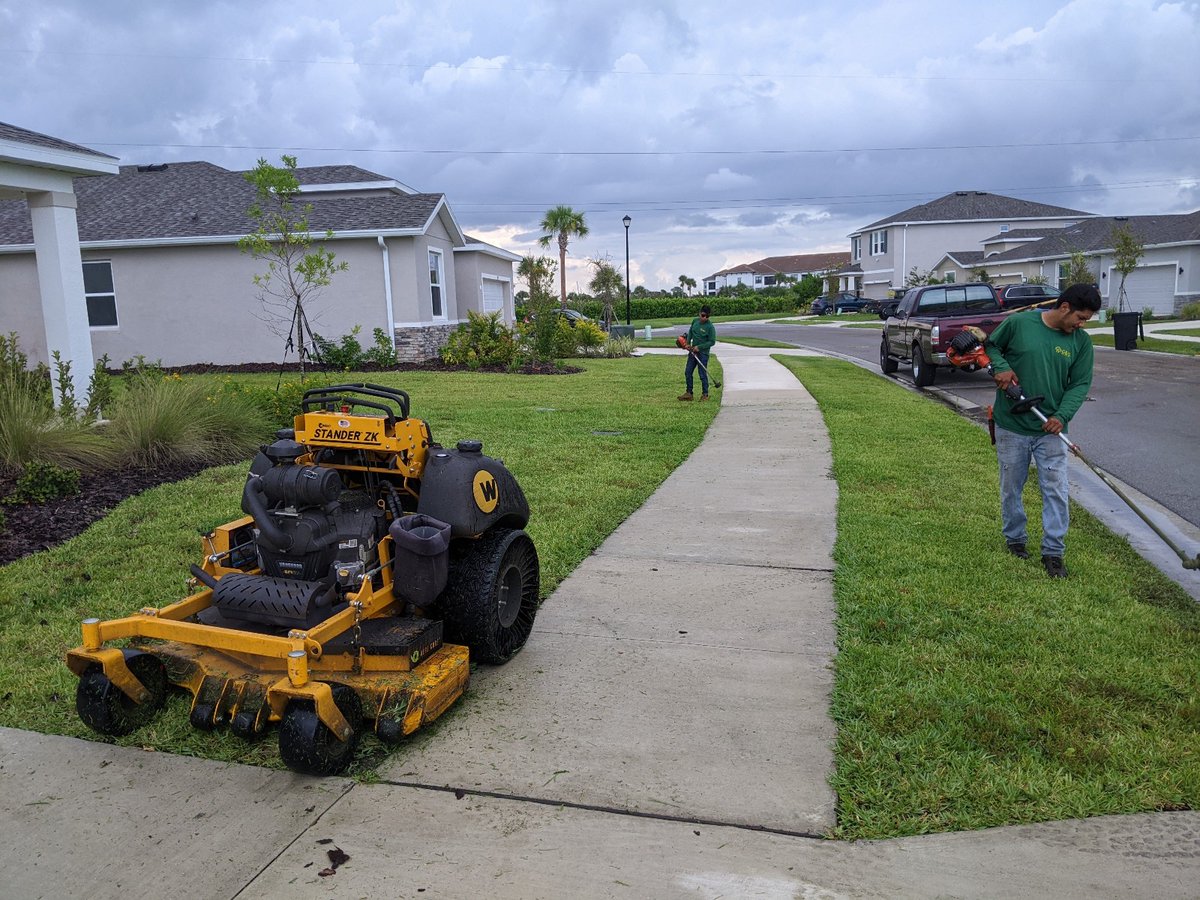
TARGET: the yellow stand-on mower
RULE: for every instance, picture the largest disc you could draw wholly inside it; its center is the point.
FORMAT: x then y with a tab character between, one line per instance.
330	607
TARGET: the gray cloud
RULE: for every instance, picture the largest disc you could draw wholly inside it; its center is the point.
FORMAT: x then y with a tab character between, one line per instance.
664	111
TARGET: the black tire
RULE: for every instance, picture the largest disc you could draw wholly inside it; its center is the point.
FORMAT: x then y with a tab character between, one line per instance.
923	372
491	597
886	363
105	708
306	745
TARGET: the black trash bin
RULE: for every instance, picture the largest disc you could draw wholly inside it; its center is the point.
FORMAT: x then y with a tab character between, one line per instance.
421	566
1125	330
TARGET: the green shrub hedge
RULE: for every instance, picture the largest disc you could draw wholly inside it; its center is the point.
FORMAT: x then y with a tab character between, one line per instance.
684	307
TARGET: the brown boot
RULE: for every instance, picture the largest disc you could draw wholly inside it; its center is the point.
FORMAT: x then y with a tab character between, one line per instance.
687	395
704	396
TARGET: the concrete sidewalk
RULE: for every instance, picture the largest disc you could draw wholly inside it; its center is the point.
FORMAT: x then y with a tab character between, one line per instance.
665	733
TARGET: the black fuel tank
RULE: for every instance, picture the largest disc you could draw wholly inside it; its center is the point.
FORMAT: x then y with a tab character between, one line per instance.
470	491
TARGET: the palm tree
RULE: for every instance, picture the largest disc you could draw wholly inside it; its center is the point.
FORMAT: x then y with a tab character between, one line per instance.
565	223
687	284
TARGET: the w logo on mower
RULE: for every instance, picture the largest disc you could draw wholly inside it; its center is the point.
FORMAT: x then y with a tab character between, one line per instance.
486	490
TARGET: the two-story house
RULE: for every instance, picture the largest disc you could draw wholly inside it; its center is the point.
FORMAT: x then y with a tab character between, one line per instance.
883	253
767	272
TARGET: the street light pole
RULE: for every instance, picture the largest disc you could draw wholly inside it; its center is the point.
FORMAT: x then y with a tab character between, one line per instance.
627	220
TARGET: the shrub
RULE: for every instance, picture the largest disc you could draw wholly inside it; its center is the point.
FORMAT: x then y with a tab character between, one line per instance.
383	354
42	482
174	420
31	431
346	354
589	337
619	347
1191	311
482	340
565	342
1147	313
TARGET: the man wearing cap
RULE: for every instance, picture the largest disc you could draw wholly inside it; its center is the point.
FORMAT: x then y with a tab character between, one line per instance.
700	339
1049	355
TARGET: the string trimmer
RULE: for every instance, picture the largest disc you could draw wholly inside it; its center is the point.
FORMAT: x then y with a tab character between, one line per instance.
966	351
682	343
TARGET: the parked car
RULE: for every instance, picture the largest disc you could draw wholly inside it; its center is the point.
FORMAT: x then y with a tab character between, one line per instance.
927	320
888	307
839	303
573	316
1015	296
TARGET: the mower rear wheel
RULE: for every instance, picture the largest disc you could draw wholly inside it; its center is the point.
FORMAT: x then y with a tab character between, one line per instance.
307	745
923	372
886	363
491	597
105	708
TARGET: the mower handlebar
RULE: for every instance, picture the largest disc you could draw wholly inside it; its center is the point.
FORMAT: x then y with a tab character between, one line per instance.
355	395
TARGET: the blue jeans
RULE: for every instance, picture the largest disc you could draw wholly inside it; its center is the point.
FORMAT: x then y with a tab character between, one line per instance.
691	367
1049	453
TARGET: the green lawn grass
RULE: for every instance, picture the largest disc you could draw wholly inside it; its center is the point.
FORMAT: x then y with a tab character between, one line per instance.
588	449
1160	345
971	690
1186	332
639	324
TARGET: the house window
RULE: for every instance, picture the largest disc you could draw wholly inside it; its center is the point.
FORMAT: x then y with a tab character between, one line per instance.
99	294
758	279
879	242
948	276
435	284
1003	228
856	248
1064	272
493	296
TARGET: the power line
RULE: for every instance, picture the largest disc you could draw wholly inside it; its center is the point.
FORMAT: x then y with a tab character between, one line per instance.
650	153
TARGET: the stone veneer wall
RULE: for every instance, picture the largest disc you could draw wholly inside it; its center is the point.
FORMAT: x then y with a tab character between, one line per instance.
420	344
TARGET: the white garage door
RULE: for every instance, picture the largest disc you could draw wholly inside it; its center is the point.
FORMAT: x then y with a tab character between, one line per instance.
493	297
1150	286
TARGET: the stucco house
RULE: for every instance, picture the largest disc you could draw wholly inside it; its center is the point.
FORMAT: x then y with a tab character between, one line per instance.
884	252
1166	279
163	277
766	272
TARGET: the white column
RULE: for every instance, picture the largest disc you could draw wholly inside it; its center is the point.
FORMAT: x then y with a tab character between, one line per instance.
60	275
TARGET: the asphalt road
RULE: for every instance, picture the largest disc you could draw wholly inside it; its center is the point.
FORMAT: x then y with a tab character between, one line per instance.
1141	421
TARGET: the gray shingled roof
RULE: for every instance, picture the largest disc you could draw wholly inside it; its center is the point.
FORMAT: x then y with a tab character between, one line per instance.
1095	235
973	206
966	258
33	138
202	200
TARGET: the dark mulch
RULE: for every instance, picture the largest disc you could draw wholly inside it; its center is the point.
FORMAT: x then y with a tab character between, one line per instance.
33	527
294	368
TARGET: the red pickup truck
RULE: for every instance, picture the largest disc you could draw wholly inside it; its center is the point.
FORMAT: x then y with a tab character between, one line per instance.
928	317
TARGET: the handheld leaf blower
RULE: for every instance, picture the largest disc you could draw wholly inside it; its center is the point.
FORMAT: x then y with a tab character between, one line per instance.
967	352
682	344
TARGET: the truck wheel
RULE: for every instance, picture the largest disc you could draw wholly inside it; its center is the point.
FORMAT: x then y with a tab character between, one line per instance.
491	596
923	373
886	363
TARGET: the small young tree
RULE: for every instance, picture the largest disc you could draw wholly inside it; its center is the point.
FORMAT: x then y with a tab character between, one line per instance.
1078	271
538	272
916	277
1128	250
606	284
297	268
979	273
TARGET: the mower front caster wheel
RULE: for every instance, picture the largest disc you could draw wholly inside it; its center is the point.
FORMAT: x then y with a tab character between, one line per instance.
305	743
105	708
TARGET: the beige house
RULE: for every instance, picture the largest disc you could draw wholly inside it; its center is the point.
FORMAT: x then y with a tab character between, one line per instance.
1166	279
766	272
883	253
163	277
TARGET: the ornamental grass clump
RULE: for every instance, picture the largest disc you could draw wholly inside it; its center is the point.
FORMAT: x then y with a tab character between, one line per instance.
32	431
171	420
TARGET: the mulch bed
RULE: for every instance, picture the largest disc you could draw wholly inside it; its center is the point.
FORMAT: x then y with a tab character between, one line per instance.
30	528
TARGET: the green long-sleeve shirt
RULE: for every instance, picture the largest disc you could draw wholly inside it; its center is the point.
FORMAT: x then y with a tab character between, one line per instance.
702	335
1048	362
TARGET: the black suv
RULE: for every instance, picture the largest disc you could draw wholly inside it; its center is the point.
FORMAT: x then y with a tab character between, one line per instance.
1014	296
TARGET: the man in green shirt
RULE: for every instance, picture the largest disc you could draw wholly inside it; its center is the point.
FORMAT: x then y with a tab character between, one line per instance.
700	339
1049	355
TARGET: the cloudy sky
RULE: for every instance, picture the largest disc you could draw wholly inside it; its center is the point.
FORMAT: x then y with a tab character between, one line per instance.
728	131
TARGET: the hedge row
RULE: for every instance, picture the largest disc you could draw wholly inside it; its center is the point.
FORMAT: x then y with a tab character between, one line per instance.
683	307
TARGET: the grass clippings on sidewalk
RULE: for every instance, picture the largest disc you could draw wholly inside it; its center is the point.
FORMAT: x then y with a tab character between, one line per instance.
587	449
971	690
